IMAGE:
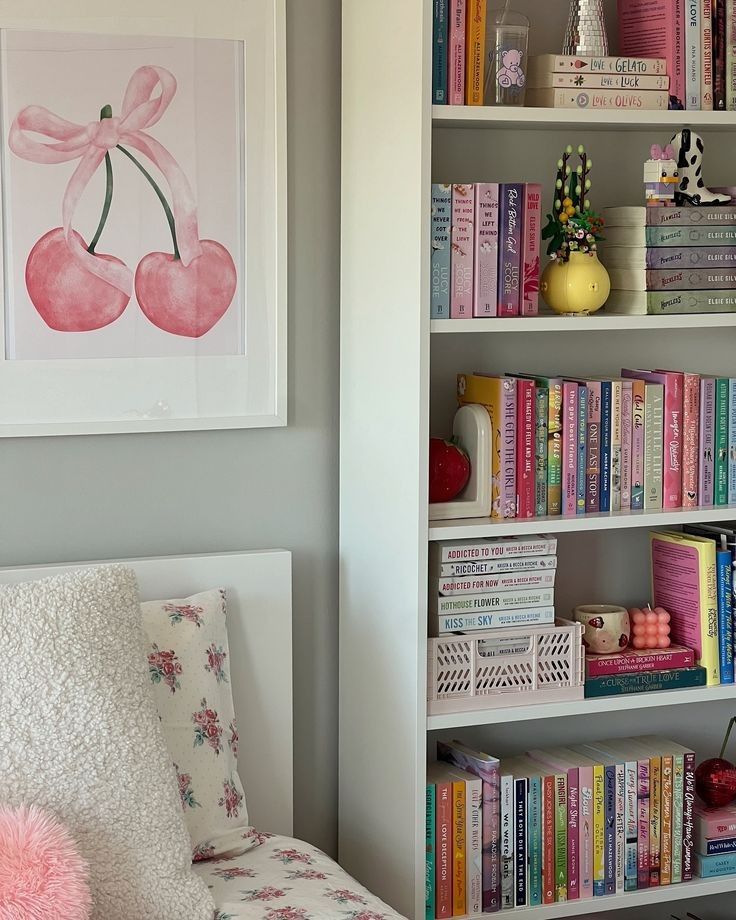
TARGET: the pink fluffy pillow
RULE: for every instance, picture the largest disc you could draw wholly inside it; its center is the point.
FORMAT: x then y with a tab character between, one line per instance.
42	875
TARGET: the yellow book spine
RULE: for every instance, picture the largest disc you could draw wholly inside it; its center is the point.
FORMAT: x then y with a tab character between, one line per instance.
475	38
666	845
487	391
599	830
655	820
458	849
709	612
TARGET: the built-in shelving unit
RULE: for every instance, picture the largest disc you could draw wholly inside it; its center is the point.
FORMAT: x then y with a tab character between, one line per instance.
397	388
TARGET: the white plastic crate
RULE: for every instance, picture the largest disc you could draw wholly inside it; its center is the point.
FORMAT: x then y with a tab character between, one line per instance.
510	667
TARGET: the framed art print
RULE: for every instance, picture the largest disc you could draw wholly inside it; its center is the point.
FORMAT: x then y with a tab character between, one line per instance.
143	181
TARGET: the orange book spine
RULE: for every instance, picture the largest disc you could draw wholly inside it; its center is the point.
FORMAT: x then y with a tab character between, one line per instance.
458	849
475	42
548	840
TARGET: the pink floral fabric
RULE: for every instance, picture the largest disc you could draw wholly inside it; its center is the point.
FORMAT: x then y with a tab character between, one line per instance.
189	668
286	879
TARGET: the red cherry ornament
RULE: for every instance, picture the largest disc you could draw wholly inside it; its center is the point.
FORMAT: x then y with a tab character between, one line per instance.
67	297
186	300
449	470
715	779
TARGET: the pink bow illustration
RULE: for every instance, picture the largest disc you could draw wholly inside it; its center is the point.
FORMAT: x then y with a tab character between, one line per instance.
662	153
89	144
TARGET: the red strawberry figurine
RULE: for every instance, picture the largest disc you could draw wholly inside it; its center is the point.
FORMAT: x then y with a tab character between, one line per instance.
449	470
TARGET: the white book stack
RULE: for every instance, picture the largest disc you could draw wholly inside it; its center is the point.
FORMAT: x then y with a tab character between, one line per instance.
495	583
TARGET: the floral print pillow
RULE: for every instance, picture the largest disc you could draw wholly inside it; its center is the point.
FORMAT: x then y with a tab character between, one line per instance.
189	669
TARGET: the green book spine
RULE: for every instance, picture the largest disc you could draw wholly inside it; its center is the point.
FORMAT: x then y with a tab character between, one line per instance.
560	837
721	457
677	812
542	427
429	904
644	681
653	422
534	814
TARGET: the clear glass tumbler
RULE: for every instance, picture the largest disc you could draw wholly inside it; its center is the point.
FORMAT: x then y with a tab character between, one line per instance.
507	40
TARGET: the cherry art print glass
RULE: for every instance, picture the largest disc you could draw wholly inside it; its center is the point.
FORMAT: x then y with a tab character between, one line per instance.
142	190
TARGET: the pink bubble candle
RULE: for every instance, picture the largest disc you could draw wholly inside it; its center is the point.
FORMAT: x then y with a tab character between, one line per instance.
650	628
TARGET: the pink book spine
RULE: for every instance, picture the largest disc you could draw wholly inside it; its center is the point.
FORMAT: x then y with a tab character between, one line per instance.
532	235
690	425
638	394
573	834
461	252
665	660
525	448
626	422
456	59
643	823
569	447
585	839
655	28
485	281
508	448
672	447
706	442
715	823
706	51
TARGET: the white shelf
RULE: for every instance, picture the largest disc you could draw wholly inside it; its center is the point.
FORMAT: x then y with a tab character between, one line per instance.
468	528
465	116
597	322
625	702
698	888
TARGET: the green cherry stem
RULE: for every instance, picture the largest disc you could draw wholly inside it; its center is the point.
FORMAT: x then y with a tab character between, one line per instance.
105	112
159	194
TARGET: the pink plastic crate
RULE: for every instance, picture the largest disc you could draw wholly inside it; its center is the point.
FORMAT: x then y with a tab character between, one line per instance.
506	667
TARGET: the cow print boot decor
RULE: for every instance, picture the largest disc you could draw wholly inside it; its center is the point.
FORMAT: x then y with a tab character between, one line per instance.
688	148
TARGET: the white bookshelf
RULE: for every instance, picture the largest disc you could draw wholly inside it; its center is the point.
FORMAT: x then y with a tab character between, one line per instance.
397	388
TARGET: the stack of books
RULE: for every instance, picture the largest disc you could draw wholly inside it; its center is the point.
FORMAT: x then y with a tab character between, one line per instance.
561	81
697	38
458	52
493	583
715	841
646	440
641	671
485	250
561	824
671	260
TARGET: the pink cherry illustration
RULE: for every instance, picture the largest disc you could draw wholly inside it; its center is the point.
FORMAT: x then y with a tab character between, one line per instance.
67	296
186	300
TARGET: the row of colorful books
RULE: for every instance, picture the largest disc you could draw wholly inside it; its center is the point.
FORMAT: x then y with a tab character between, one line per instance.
559	824
491	584
647	440
565	82
459	51
671	260
697	39
715	842
485	250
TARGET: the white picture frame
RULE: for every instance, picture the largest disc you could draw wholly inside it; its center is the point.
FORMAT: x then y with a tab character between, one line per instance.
91	395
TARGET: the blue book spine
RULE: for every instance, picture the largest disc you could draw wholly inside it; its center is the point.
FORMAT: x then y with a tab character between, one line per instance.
725	614
605	480
721	846
582	448
441	223
610	838
521	840
711	866
429	842
732	441
535	841
439	53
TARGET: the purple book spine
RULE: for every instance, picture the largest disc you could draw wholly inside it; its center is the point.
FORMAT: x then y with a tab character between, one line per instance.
569	447
688	817
508	448
626	420
696	279
592	485
510	220
691	257
573	833
707	440
485	284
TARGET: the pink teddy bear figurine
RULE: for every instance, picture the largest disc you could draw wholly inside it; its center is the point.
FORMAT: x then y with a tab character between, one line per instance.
511	74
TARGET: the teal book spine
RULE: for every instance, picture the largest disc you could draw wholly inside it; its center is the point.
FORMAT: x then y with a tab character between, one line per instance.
721	457
725	614
541	431
561	837
712	866
535	840
645	681
582	449
732	440
429	842
439	53
441	222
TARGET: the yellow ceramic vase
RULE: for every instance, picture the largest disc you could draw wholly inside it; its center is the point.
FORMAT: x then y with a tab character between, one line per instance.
580	285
